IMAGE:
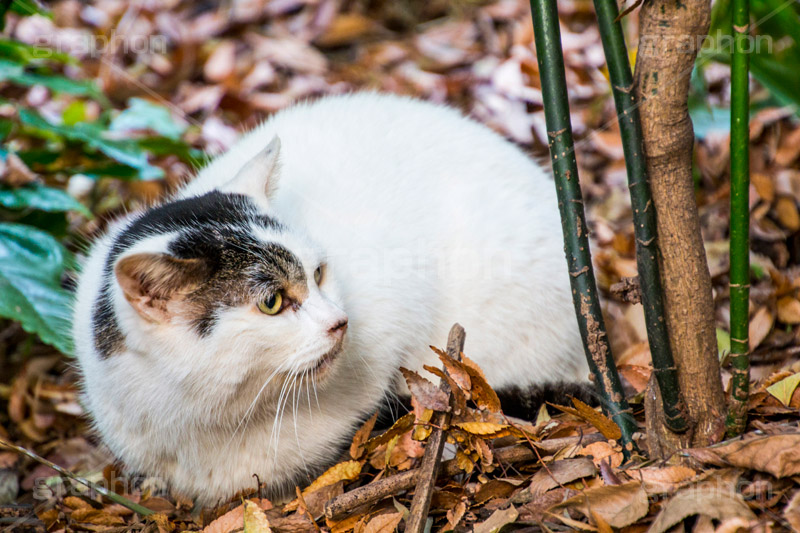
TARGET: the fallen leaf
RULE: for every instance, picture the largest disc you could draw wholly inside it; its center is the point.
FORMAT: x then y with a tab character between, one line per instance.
786	209
618	505
459	399
96	517
403	424
455	369
792	511
362	436
719	505
663	479
255	521
384	523
426	393
560	473
345	471
605	425
499	518
789	310
784	389
778	455
481	428
234	519
760	326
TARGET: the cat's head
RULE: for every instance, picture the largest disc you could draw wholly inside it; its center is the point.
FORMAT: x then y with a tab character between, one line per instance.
214	285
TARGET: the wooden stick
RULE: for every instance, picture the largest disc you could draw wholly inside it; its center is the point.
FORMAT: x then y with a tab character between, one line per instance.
429	470
343	504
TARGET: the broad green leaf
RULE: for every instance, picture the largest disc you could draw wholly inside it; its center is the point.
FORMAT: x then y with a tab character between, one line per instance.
31	264
27	8
16	73
144	115
93	135
36	196
784	389
25	53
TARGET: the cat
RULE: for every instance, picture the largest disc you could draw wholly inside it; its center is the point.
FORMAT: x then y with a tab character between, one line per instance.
249	323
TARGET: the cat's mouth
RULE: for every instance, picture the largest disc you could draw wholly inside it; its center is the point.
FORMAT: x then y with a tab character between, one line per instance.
322	367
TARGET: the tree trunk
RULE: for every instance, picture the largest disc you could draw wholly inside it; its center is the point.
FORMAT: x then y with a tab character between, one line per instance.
670	33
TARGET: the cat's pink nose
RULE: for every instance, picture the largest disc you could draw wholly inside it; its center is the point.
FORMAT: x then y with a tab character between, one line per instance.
339	328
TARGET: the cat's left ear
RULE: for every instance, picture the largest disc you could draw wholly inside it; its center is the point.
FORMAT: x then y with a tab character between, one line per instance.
258	174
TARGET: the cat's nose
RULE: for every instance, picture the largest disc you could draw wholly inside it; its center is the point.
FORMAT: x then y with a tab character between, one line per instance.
338	329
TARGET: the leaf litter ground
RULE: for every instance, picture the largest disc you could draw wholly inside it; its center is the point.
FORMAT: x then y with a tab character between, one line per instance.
229	65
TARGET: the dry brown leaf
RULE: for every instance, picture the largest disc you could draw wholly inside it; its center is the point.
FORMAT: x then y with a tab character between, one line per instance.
482	428
764	186
618	505
221	63
789	310
720	505
786	210
792	511
344	471
499	518
459	399
362	436
234	519
605	425
255	521
760	326
778	455
600	451
482	394
455	369
560	473
403	424
384	523
345	28
663	479
15	173
637	376
96	517
426	393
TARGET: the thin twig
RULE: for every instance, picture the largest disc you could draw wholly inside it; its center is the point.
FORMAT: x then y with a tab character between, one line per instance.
433	449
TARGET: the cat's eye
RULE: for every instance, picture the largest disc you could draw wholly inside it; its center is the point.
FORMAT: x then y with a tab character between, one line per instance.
272	305
318	275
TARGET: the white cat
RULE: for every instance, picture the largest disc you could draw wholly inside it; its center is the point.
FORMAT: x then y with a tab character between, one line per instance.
248	325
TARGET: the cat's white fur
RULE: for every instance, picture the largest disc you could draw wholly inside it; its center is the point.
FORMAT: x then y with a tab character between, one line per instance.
424	217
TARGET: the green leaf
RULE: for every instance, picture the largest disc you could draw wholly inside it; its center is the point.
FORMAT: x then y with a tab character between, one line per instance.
31	264
784	389
723	343
26	54
92	134
36	196
27	8
16	73
144	115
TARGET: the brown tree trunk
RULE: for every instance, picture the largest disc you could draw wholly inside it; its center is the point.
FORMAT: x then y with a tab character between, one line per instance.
670	33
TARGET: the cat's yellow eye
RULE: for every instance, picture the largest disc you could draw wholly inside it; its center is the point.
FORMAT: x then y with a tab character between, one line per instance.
318	275
272	305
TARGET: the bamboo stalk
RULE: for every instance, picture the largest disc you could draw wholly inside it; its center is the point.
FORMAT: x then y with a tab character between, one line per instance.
740	220
644	213
573	222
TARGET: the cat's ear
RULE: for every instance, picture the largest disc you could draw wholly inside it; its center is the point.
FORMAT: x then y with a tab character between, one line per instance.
154	282
258	174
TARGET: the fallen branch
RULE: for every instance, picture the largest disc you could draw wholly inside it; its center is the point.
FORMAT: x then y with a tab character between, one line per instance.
433	449
342	505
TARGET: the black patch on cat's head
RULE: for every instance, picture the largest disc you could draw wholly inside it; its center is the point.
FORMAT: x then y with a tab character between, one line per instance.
215	227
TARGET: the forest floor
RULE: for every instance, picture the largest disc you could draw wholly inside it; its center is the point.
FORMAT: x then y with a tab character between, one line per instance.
219	70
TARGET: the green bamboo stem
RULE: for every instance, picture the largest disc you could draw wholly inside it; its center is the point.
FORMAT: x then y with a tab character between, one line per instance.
644	213
573	222
740	219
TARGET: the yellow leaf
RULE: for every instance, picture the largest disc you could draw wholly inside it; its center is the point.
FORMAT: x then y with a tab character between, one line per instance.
255	521
784	389
481	428
348	470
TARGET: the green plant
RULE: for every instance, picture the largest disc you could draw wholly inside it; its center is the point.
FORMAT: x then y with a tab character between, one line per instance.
33	213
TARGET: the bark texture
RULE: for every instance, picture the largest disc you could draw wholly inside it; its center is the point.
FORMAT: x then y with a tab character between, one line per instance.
670	34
